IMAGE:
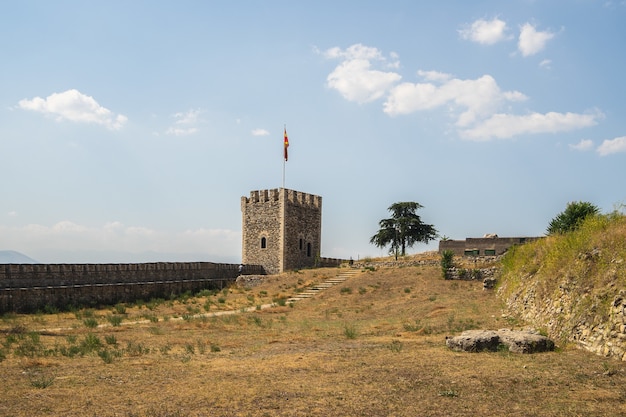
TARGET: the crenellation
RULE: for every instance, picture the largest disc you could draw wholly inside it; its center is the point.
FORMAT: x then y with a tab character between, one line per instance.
30	287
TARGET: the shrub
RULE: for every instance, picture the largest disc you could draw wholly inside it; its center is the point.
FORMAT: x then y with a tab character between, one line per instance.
350	331
447	262
90	322
41	381
29	345
90	343
115	320
395	346
120	309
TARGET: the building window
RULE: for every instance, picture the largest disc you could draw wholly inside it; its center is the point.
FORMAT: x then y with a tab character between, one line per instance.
490	252
263	242
301	244
308	250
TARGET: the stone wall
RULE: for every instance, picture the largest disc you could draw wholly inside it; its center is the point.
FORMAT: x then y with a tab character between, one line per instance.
281	229
477	246
594	322
262	218
26	287
303	230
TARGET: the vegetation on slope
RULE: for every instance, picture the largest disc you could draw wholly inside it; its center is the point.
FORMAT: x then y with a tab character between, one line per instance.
587	266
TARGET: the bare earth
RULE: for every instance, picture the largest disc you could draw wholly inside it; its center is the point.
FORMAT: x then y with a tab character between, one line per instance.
371	346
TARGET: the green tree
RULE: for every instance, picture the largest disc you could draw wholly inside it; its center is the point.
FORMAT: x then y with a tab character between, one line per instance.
403	229
571	218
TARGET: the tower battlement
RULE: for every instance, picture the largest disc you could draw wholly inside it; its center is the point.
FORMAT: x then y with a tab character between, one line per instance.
291	196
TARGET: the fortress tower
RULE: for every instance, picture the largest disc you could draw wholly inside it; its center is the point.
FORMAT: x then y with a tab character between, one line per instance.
282	229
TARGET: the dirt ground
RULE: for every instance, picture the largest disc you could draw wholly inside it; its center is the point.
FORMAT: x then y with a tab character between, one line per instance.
371	346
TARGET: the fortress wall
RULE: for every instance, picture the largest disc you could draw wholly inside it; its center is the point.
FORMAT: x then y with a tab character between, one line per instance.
25	287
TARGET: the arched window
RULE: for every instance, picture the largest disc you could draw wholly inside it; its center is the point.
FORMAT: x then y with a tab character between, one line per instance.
308	250
263	242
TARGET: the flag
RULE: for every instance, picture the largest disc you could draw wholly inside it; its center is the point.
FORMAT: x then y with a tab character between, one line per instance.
286	144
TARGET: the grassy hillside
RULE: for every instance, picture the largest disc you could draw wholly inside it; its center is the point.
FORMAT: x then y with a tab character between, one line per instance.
371	346
565	282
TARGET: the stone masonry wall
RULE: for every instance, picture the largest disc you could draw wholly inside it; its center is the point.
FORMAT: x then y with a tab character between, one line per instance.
289	223
261	218
303	230
32	287
596	324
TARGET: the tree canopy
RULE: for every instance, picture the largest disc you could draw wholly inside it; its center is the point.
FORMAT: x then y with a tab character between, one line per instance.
571	218
403	229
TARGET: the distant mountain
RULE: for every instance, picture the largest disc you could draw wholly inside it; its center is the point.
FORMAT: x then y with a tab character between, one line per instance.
13	257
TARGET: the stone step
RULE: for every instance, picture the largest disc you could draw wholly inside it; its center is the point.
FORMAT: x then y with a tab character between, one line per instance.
331	282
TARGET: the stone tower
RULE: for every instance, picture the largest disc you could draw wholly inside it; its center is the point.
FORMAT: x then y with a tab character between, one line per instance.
282	229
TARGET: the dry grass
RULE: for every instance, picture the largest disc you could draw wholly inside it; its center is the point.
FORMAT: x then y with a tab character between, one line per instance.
374	350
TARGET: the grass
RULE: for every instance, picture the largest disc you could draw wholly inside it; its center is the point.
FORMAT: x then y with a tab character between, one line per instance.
585	266
375	352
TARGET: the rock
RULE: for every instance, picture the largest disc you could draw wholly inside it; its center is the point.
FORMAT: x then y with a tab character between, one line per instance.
525	342
489	283
516	341
474	341
249	281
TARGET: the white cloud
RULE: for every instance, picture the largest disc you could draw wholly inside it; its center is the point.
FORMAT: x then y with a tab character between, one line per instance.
12	214
74	106
546	63
187	118
501	126
178	131
532	41
260	132
583	145
477	98
355	79
611	146
185	124
485	32
434	76
475	104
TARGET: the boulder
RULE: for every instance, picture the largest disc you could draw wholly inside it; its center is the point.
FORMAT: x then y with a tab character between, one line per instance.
489	283
515	341
474	341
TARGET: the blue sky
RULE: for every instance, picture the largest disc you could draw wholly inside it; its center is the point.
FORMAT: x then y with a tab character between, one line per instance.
130	130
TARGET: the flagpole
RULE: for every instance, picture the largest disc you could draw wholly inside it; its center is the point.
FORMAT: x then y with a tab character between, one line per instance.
285	145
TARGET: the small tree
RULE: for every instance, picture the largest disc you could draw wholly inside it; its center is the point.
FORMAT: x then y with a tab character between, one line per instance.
447	262
403	229
571	218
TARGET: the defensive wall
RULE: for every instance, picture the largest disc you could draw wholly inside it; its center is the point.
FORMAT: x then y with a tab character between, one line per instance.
31	287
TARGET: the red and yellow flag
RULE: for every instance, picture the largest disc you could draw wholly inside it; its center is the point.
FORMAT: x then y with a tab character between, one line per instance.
286	143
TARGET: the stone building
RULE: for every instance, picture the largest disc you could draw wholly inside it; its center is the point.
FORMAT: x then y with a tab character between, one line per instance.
488	245
281	229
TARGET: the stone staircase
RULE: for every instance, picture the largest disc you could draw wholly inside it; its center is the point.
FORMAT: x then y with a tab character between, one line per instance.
343	275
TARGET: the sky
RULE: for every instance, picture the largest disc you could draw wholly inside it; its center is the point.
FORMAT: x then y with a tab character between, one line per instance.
130	130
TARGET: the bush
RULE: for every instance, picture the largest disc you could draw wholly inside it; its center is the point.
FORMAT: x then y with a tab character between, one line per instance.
447	262
115	320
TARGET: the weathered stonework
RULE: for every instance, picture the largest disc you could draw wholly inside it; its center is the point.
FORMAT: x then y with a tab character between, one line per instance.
31	287
595	322
281	229
482	246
